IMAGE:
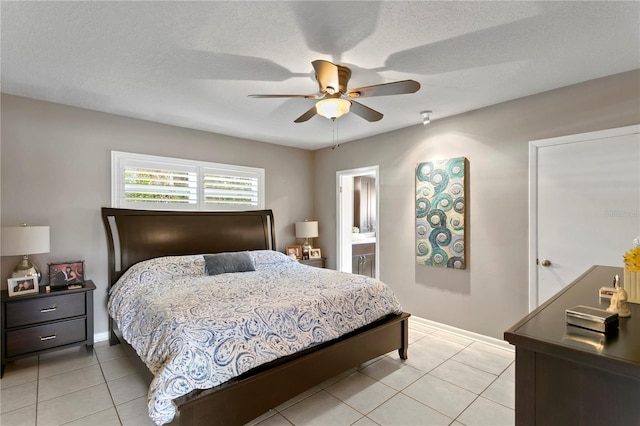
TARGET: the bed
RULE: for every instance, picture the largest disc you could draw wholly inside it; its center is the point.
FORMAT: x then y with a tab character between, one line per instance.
137	236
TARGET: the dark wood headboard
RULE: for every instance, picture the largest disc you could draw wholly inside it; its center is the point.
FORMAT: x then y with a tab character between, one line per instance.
137	235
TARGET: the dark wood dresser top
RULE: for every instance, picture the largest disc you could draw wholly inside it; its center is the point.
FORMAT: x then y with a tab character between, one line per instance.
545	330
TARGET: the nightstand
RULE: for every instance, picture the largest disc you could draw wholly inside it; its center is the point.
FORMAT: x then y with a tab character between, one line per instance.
317	262
45	322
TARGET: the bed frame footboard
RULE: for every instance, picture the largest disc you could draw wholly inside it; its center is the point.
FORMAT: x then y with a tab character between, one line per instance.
244	399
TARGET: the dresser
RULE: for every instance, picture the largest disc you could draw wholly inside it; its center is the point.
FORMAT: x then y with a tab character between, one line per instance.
44	322
567	375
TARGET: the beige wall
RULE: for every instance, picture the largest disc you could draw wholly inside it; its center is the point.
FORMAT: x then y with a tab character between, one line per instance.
55	170
492	293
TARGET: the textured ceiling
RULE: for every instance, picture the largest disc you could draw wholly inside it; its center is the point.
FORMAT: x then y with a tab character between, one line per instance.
192	64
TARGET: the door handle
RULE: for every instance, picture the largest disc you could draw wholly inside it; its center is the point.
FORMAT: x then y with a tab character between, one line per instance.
546	263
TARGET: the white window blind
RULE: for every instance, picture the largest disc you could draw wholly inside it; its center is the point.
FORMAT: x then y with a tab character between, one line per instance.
159	183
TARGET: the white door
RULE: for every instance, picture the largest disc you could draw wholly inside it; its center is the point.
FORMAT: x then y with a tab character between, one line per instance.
585	201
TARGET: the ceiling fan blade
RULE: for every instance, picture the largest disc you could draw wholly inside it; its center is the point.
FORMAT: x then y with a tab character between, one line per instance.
327	76
365	112
288	96
306	116
395	88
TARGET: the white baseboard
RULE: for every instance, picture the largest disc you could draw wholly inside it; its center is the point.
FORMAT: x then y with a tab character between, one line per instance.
464	333
101	337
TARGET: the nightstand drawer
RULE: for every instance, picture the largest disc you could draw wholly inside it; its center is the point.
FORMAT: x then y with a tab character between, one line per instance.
45	336
41	309
318	262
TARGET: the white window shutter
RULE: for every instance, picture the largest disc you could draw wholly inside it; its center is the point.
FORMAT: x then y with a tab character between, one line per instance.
161	183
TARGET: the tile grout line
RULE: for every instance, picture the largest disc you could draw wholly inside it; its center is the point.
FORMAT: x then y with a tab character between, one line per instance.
498	377
374	408
477	395
480	395
426	374
37	387
471	341
113	403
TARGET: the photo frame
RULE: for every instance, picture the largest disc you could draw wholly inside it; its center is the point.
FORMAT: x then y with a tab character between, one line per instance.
64	274
294	250
315	253
21	286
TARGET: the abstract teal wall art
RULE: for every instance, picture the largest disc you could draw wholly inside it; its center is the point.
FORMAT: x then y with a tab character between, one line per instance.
440	213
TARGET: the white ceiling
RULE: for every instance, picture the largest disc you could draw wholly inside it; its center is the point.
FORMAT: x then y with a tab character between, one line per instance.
192	64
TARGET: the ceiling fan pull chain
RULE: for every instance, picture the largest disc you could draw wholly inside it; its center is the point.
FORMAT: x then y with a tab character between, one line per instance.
335	134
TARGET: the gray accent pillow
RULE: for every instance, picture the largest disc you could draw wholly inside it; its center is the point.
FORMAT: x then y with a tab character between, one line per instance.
222	263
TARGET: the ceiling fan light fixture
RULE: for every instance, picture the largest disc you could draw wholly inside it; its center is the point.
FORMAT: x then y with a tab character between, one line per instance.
333	108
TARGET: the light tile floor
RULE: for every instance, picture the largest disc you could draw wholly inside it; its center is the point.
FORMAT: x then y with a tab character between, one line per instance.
447	380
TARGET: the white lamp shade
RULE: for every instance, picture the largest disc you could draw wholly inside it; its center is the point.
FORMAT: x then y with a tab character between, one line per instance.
308	229
24	240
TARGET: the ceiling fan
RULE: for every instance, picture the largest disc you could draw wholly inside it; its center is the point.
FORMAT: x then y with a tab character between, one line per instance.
334	100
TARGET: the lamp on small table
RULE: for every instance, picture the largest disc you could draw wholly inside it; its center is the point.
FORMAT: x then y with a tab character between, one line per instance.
25	240
307	229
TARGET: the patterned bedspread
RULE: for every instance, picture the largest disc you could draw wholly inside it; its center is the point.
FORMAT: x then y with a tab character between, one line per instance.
196	331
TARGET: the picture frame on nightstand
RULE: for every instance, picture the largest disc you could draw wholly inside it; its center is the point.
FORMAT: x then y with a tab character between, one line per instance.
315	253
21	286
65	274
295	250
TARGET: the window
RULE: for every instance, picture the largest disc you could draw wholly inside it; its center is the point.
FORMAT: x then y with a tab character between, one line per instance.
160	183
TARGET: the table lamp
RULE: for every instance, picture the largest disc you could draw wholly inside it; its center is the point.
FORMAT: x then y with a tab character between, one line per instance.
25	240
307	229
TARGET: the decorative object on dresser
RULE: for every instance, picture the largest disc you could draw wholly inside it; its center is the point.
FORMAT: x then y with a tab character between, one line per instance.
45	322
66	274
631	274
619	298
257	390
22	286
23	241
294	251
440	213
595	319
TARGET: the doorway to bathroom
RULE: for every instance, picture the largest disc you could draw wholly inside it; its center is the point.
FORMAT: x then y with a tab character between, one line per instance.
357	221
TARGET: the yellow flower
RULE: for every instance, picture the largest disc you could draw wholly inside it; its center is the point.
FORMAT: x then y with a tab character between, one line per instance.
632	259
